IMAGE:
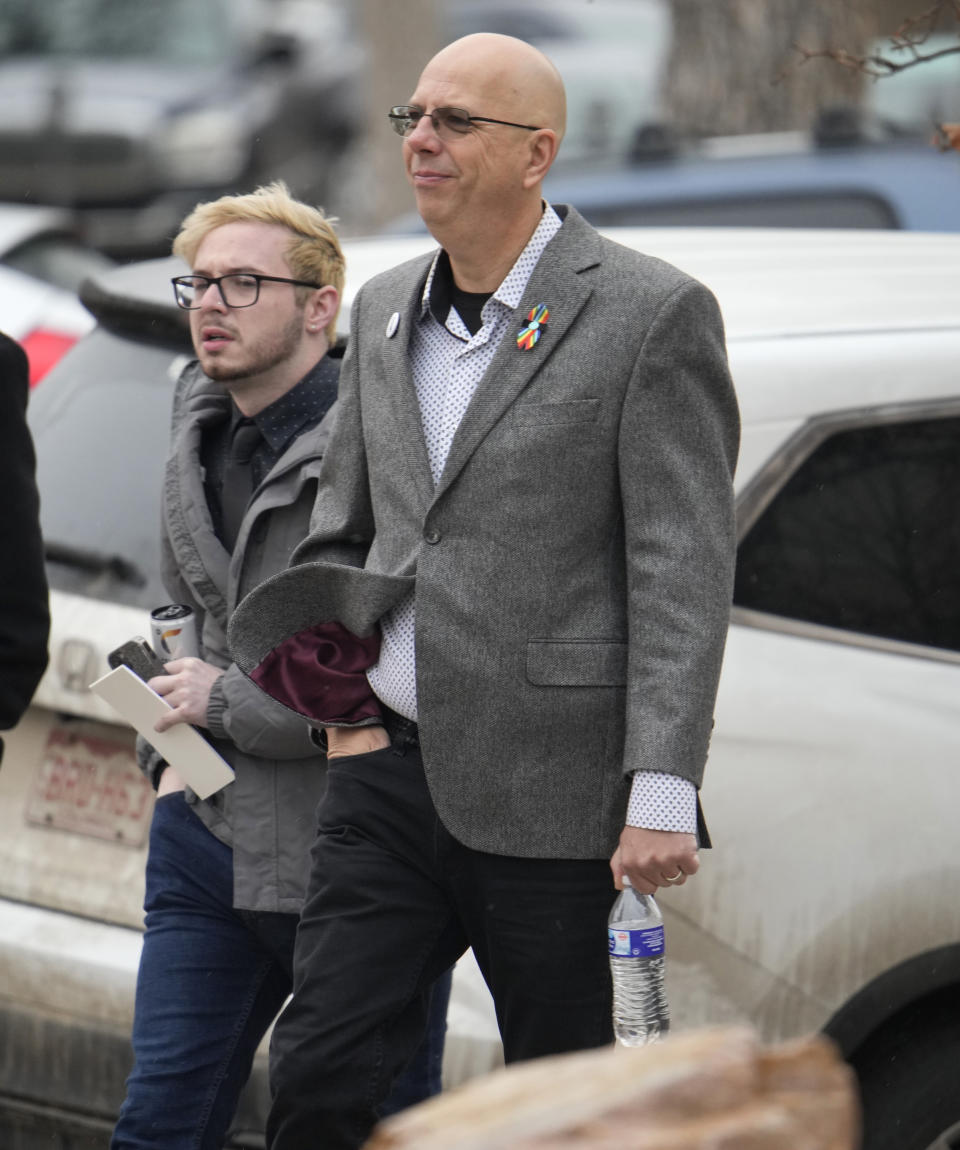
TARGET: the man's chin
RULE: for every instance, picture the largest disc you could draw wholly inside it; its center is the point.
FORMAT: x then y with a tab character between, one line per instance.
217	370
436	216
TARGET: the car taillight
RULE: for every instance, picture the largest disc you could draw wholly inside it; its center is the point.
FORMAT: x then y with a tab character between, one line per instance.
44	347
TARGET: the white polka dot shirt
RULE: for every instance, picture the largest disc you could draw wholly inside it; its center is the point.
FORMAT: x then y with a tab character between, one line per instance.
448	364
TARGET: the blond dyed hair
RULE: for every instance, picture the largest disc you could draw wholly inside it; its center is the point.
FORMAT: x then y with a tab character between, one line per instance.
314	252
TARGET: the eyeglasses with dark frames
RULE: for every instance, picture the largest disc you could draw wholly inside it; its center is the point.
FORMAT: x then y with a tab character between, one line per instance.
448	123
238	289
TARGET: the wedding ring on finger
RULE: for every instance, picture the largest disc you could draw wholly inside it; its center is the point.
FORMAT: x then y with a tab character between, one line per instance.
674	878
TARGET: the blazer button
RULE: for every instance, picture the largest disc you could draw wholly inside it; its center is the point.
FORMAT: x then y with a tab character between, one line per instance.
432	536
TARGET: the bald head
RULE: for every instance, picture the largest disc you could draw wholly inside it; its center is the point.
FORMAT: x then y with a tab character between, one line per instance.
508	75
479	189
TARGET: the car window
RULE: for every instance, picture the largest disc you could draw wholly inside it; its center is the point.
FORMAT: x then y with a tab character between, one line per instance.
865	537
174	30
811	210
101	424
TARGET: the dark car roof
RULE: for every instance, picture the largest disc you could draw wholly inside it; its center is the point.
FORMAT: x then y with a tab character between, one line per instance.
905	184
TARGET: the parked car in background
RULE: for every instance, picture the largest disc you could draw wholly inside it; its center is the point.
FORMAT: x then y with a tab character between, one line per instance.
829	899
129	113
831	180
42	264
834	178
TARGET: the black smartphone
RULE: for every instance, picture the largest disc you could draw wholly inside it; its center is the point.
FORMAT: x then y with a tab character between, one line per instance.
139	656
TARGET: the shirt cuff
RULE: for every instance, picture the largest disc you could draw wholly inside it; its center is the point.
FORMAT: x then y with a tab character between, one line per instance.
660	802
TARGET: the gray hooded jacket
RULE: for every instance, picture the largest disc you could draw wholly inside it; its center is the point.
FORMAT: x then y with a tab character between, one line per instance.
267	813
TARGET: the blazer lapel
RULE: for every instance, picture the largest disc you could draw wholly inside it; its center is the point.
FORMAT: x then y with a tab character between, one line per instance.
558	282
402	406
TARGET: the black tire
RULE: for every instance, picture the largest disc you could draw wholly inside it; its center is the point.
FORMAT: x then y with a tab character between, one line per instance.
909	1075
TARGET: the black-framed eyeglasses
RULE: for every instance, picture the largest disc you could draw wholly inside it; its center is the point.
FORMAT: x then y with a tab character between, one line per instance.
448	123
238	289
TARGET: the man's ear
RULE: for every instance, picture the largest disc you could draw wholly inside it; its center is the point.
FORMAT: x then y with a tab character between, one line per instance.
321	307
543	151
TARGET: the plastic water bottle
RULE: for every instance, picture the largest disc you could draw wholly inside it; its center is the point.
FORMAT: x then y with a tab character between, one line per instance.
635	929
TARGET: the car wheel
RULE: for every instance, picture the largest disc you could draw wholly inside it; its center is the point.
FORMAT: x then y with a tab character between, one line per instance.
908	1075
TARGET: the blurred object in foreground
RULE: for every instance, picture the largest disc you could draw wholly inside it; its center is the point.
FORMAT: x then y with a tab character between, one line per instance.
706	1088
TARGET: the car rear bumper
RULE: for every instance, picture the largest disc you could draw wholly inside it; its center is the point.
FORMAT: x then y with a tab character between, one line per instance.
67	989
66	1000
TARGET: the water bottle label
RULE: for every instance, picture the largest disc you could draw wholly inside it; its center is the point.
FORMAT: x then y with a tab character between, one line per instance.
646	943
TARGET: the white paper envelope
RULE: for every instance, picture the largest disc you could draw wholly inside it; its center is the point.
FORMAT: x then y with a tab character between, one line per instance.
184	748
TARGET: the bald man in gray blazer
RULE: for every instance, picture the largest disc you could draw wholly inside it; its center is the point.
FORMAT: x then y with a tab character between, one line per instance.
528	492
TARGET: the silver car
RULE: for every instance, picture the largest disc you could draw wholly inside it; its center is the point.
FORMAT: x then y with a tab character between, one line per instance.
828	901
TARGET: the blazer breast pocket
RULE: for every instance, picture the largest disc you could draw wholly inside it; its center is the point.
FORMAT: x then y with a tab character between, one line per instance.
576	662
532	415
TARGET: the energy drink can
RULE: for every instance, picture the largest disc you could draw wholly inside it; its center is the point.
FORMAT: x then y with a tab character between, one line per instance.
173	630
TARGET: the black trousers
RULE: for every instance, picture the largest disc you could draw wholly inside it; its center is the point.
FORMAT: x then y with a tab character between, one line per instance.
394	901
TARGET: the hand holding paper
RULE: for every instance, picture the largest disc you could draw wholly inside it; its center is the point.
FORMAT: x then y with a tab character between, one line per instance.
182	746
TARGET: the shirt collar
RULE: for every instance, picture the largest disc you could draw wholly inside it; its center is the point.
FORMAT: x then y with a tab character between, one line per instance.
436	291
305	403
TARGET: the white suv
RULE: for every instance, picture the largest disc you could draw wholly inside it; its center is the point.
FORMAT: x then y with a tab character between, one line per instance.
828	901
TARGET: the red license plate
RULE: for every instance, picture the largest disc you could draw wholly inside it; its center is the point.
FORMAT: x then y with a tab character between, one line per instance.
91	786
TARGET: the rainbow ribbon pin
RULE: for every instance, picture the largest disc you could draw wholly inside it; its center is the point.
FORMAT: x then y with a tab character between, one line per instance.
536	322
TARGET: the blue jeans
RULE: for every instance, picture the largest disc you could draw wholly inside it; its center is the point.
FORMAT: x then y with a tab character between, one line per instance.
211	980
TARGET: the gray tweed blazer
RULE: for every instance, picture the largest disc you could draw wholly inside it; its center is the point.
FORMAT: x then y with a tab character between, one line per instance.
573	566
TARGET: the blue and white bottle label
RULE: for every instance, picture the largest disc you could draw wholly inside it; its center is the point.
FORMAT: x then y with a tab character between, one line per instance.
646	943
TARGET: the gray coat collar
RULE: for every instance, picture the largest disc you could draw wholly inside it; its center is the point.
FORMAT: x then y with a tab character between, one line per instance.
200	556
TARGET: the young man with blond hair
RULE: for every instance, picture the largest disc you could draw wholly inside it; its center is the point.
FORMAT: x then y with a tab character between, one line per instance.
226	875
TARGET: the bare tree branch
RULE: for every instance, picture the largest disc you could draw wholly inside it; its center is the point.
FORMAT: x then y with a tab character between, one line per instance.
715	43
909	38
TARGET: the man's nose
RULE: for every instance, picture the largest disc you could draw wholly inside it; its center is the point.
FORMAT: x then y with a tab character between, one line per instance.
216	301
424	135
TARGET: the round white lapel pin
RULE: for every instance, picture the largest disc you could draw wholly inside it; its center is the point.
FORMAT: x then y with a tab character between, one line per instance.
392	324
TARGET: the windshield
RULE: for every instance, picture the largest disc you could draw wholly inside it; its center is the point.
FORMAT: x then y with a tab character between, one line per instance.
174	31
100	423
